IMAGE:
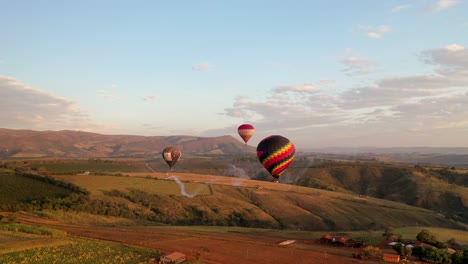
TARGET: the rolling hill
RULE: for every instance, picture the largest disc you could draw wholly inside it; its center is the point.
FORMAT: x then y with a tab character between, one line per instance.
416	186
215	200
77	144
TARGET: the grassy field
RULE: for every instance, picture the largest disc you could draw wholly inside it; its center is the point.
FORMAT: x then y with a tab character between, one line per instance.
80	166
16	227
295	207
442	234
12	189
83	218
97	185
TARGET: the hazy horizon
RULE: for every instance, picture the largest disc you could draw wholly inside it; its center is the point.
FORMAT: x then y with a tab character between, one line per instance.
324	74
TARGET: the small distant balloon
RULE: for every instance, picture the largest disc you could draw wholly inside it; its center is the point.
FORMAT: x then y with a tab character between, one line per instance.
171	155
276	153
246	131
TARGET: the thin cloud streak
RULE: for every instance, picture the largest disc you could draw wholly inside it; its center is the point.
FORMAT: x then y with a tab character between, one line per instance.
444	4
203	66
400	8
395	107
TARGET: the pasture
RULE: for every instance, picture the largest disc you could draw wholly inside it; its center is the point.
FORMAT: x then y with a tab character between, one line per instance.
217	198
98	184
81	166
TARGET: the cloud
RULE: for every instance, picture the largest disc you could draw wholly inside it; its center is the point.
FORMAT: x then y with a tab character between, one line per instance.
443	4
400	8
453	55
108	95
356	65
151	98
203	66
26	107
305	88
375	32
451	74
426	109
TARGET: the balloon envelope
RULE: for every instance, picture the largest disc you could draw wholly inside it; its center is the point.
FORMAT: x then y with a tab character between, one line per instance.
246	131
275	153
171	155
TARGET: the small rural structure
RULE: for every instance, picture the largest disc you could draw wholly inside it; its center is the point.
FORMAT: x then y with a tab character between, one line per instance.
392	258
173	258
342	240
286	242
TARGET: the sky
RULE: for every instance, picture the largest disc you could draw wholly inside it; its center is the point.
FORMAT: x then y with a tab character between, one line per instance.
325	73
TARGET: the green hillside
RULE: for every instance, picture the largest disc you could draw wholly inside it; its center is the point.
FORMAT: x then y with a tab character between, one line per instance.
417	186
328	196
16	189
271	206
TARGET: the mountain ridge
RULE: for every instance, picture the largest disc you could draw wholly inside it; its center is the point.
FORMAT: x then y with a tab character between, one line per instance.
79	144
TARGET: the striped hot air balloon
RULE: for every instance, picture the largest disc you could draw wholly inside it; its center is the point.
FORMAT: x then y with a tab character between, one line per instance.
275	153
246	131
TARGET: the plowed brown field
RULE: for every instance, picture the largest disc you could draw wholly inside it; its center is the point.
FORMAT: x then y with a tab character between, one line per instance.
212	247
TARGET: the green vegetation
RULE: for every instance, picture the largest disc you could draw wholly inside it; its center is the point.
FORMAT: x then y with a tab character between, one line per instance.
95	166
99	185
442	234
13	191
346	198
431	189
82	251
19	244
16	227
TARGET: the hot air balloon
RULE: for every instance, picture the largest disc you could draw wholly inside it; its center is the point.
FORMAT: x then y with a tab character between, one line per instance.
171	155
246	131
275	153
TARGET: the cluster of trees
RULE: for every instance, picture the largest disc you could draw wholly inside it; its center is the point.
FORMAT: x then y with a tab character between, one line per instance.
435	253
186	214
151	207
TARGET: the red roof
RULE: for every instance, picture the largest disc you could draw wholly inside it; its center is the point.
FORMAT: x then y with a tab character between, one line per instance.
421	244
391	258
175	256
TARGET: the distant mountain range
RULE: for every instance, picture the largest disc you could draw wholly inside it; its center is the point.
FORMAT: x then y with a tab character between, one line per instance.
396	150
77	144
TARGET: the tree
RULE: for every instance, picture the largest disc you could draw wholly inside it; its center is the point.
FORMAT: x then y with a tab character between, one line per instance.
457	258
426	236
389	232
454	244
372	252
419	252
400	249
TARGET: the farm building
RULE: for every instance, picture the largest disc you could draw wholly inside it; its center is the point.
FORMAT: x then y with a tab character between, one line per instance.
340	241
336	240
392	258
422	244
173	258
326	238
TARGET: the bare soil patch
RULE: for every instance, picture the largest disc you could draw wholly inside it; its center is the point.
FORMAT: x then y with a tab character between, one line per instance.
211	248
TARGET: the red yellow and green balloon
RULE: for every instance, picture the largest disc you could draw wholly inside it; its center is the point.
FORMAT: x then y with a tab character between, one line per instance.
276	153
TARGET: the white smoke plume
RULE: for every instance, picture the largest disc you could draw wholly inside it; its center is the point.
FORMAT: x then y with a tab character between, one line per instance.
182	187
238	174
